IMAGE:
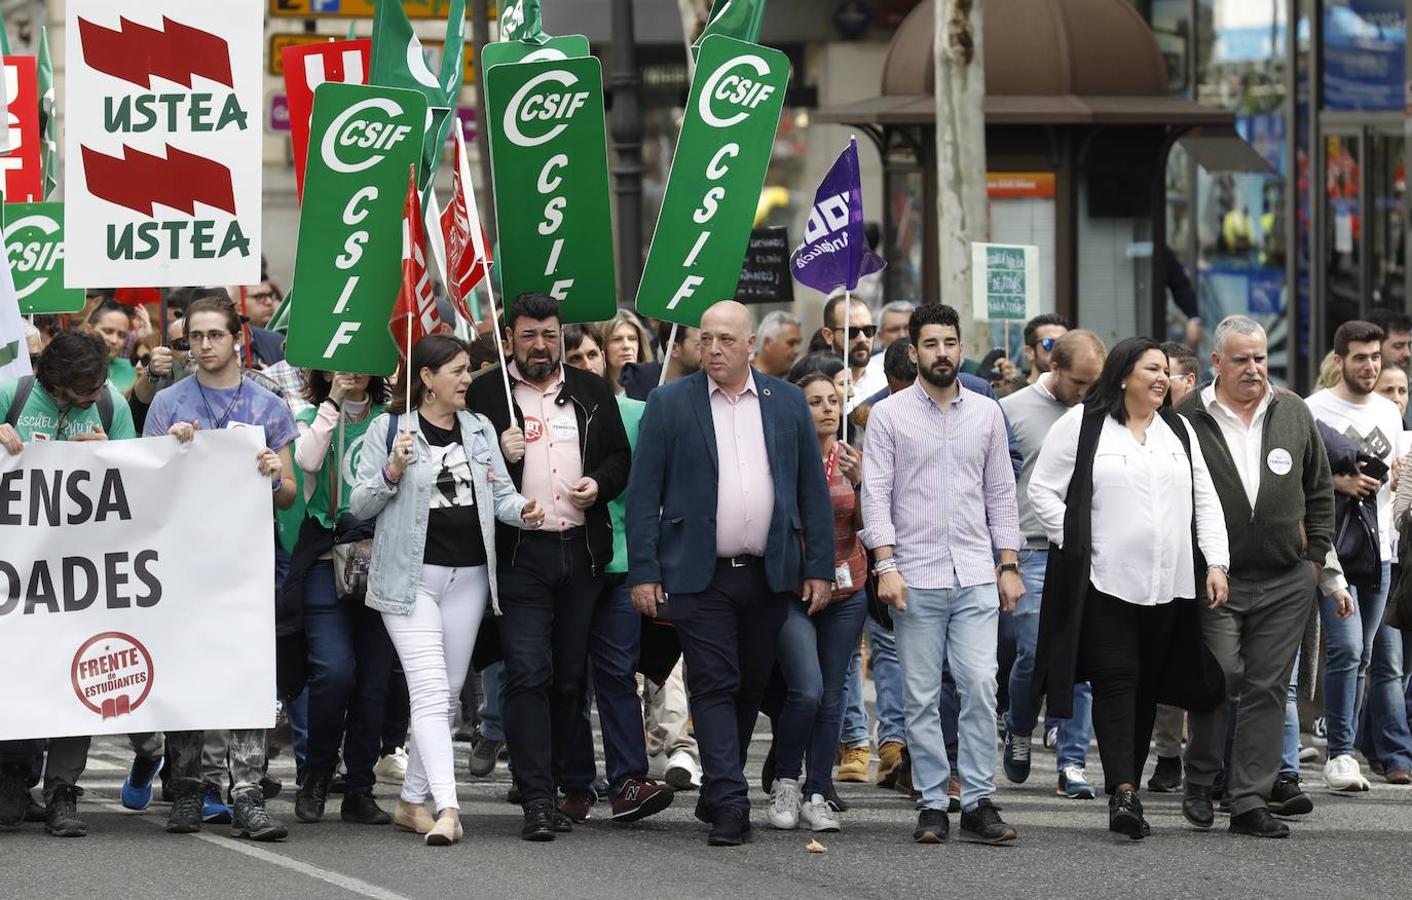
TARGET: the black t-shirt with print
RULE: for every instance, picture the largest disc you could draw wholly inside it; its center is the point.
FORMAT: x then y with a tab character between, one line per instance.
453	526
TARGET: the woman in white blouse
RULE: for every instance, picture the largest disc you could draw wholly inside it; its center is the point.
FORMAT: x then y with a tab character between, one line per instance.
1126	555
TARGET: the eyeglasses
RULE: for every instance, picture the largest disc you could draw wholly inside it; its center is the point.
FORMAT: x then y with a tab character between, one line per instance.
197	338
260	295
1047	344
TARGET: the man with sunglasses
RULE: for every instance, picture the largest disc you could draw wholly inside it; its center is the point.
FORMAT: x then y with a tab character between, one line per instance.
65	403
861	332
1041	334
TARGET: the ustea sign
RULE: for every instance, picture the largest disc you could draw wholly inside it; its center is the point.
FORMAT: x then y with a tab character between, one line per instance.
163	142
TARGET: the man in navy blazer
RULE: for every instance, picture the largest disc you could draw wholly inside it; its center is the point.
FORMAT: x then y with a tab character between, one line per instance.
728	520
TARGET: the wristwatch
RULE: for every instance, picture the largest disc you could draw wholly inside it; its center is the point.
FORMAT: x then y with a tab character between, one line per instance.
1009	567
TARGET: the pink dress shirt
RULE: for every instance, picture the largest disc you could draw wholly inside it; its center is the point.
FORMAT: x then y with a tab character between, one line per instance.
553	461
745	490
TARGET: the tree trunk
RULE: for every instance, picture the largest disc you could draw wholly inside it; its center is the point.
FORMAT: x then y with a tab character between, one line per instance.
963	212
694	16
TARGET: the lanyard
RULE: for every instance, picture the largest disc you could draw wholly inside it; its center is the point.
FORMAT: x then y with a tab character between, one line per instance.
829	464
225	416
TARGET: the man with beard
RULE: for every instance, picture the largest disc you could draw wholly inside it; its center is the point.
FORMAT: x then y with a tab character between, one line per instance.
565	446
938	498
861	332
1360	647
1075	363
1269	468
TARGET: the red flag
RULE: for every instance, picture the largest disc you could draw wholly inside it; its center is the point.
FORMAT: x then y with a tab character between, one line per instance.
467	256
414	314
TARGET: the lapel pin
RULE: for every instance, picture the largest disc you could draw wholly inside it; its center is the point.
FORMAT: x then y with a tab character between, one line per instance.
767	392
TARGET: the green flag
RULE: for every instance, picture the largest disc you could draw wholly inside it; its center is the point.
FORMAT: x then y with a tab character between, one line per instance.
520	21
398	61
48	137
279	322
352	31
4	36
739	19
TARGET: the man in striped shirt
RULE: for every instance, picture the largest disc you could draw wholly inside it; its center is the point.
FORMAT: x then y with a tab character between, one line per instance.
938	498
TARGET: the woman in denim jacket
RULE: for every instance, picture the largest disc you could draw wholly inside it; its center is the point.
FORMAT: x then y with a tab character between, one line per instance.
436	496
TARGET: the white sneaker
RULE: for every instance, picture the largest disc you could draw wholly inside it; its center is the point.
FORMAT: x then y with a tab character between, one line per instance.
784	804
392	768
1343	774
683	772
818	815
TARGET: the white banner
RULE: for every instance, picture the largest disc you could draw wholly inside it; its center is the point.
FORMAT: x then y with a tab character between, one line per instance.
136	587
163	142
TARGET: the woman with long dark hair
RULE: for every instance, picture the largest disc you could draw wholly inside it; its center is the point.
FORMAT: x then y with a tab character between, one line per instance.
1124	495
434	477
350	658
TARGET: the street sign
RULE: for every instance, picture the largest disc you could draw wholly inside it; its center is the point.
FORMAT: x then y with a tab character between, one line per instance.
1005	282
549	165
724	150
363	142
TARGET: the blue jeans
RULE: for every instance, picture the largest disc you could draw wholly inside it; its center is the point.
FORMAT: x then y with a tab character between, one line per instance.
350	663
953	628
1022	628
614	642
887	683
1356	650
855	731
1289	758
814	652
492	682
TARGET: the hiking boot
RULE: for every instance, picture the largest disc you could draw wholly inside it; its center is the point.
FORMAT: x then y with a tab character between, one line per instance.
14	795
252	821
889	758
854	765
310	801
185	814
61	815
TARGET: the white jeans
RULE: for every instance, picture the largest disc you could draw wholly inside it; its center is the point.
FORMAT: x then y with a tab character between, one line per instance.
434	643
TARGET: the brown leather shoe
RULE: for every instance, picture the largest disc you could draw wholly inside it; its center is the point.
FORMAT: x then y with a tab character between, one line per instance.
1398	776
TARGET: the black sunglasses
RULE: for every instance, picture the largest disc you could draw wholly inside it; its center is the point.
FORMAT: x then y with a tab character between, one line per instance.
867	331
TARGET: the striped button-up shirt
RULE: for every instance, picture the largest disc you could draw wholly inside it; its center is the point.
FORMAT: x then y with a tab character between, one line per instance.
938	487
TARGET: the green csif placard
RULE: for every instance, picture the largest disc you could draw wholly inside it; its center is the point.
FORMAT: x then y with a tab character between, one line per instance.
34	243
502	53
713	190
363	141
549	165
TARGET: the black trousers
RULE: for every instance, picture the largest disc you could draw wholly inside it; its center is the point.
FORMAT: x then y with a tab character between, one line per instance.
547	596
728	634
1122	652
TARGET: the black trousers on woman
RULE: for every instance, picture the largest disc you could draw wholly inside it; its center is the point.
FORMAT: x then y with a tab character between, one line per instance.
1122	653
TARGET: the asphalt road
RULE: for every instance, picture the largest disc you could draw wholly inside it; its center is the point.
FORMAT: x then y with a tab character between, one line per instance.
1350	846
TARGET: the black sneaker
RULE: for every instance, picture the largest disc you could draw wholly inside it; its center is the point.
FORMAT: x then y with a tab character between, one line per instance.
14	795
61	815
312	797
484	752
270	787
34	810
187	796
167	795
337	785
513	795
362	809
1125	816
703	812
539	821
933	827
1286	798
1196	805
835	802
985	825
767	770
1259	823
252	821
730	827
1167	777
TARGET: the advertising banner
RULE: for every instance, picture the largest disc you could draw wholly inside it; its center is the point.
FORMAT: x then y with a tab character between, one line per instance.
117	594
163	142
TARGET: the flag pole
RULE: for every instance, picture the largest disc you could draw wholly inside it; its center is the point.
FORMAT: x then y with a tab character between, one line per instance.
847	368
407	370
667	354
495	326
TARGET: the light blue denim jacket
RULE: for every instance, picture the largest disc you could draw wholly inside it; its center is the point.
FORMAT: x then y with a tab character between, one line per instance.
402	511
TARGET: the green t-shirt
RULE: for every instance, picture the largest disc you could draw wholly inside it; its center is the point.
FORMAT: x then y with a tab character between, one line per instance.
41	416
631	411
318	505
122	373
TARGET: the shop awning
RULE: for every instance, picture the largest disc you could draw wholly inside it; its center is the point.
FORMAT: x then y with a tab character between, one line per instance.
1034	109
1218	148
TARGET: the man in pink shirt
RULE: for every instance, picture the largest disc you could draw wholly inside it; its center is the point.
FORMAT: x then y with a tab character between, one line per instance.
729	520
565	446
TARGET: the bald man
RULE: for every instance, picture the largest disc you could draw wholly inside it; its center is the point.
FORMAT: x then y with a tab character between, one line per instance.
722	557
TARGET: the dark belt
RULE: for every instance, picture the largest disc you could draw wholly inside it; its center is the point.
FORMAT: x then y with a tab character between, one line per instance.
568	534
739	562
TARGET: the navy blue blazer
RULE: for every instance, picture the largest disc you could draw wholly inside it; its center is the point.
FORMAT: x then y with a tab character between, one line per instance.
671	496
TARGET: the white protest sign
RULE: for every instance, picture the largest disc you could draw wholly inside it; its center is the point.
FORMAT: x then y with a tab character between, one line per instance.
163	142
1004	282
125	604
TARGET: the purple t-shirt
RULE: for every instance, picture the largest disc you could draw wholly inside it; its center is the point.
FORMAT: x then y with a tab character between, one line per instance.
214	408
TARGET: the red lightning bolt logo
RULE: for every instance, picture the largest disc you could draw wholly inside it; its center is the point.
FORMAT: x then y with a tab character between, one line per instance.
139	180
135	52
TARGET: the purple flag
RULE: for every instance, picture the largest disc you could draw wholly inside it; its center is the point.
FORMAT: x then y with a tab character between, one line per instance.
834	253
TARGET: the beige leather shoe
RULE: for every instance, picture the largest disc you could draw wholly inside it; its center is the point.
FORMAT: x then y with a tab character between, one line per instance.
447	829
412	817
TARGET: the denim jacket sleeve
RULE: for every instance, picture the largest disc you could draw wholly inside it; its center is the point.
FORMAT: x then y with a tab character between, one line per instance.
508	502
371	493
